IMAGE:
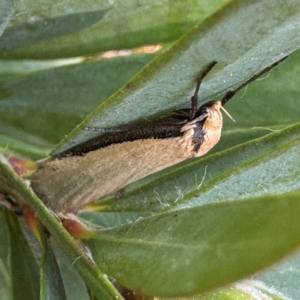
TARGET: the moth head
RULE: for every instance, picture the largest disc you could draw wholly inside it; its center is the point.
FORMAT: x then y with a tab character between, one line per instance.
213	115
213	109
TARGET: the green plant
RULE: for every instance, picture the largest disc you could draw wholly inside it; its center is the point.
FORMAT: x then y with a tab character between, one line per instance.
191	227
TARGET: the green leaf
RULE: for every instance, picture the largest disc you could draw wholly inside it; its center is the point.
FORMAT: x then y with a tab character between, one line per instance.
47	29
7	8
38	110
4	282
57	29
51	282
283	276
111	219
254	288
276	172
23	265
5	288
176	253
74	285
242	290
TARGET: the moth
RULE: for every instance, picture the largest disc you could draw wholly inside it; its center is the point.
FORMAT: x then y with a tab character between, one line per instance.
104	165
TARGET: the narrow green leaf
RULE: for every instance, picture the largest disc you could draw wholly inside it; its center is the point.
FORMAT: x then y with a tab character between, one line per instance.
10	69
5	288
276	172
4	237
23	265
38	110
74	284
7	8
193	250
5	282
243	290
226	293
283	276
52	287
255	288
57	29
111	219
47	29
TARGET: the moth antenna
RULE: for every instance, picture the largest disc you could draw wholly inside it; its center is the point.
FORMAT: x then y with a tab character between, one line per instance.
98	129
231	93
227	113
194	98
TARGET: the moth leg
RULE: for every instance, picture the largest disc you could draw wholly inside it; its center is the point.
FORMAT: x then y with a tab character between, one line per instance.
231	93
